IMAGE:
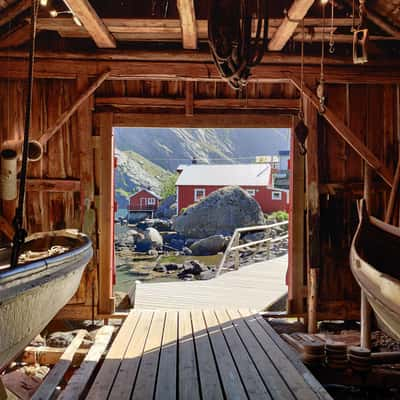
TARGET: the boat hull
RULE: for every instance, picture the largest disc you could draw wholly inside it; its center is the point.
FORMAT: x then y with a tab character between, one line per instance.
33	295
374	265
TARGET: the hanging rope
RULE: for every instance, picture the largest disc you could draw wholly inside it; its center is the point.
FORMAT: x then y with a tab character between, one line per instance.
20	232
321	85
233	47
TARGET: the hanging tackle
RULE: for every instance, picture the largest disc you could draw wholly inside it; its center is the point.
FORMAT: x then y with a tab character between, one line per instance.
234	47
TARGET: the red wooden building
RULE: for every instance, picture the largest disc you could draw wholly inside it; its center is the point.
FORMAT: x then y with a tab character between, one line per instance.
199	180
144	201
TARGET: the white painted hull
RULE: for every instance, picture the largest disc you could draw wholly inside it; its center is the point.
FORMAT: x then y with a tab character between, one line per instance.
374	263
30	299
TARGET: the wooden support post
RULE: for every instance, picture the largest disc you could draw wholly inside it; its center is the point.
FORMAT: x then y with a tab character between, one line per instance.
393	195
313	214
106	214
189	98
187	15
366	312
347	134
236	254
64	117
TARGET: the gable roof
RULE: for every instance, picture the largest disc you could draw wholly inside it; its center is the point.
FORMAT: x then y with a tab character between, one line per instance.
225	175
148	191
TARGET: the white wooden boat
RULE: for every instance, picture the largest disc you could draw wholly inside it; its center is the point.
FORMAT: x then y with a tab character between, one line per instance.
374	260
47	276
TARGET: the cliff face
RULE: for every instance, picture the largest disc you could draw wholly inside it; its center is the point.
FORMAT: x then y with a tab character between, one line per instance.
148	156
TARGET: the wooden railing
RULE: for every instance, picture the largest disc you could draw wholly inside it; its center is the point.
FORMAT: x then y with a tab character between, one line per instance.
234	244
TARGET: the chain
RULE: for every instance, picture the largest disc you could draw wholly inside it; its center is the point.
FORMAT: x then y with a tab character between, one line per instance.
331	37
321	88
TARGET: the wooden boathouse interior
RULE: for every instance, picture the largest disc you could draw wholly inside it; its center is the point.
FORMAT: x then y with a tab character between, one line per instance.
148	64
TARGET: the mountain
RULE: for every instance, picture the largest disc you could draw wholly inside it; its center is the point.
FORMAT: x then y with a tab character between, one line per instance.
147	156
135	172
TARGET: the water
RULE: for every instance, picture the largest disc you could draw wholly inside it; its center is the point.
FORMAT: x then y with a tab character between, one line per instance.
121	213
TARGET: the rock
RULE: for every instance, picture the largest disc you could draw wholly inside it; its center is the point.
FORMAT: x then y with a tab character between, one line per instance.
188	277
194	267
154	236
134	218
167	208
253	236
206	275
172	267
60	339
144	245
209	246
220	213
162	225
160	268
186	251
153	253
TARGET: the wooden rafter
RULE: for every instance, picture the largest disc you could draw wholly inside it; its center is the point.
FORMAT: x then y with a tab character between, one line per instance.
14	10
297	11
16	37
188	23
92	23
347	134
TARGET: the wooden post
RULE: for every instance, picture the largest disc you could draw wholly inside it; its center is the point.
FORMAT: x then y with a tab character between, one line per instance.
313	214
366	312
236	252
106	214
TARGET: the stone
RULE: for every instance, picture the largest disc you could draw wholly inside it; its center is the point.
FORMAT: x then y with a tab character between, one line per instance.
188	277
167	208
209	246
186	251
206	275
171	266
59	339
143	246
160	268
219	213
154	236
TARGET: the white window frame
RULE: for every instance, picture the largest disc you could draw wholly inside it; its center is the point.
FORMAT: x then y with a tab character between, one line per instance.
151	201
276	195
251	192
196	194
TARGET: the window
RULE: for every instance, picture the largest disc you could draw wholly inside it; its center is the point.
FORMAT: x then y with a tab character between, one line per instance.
151	201
276	195
251	192
199	194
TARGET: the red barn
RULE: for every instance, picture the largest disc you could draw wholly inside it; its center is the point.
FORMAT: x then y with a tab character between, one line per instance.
199	180
144	201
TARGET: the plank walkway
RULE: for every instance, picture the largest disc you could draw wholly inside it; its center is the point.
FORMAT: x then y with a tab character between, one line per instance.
254	286
191	355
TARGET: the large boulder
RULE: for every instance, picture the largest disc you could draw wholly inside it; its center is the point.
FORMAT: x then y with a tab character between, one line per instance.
167	208
209	246
220	213
154	236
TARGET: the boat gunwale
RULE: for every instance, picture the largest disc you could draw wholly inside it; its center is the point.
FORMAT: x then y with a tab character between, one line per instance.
46	263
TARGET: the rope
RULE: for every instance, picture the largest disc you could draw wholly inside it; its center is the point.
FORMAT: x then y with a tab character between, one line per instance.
20	232
232	46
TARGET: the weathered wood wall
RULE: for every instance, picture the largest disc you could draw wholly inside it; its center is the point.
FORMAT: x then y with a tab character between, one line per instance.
372	112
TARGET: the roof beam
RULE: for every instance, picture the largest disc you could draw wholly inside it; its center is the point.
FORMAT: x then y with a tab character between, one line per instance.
297	12
92	23
17	36
14	10
188	23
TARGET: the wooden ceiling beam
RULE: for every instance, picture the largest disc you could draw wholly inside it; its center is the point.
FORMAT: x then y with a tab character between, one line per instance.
297	12
92	23
12	11
187	16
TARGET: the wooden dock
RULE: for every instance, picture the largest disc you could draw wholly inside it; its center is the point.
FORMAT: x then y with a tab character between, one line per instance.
225	354
254	286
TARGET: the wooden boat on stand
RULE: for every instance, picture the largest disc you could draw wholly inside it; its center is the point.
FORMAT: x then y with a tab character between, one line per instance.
48	274
374	260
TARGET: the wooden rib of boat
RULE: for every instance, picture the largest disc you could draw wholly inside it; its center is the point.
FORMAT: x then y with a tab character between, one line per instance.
374	262
47	276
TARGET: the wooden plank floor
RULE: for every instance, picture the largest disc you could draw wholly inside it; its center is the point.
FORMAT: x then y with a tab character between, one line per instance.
202	354
254	286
